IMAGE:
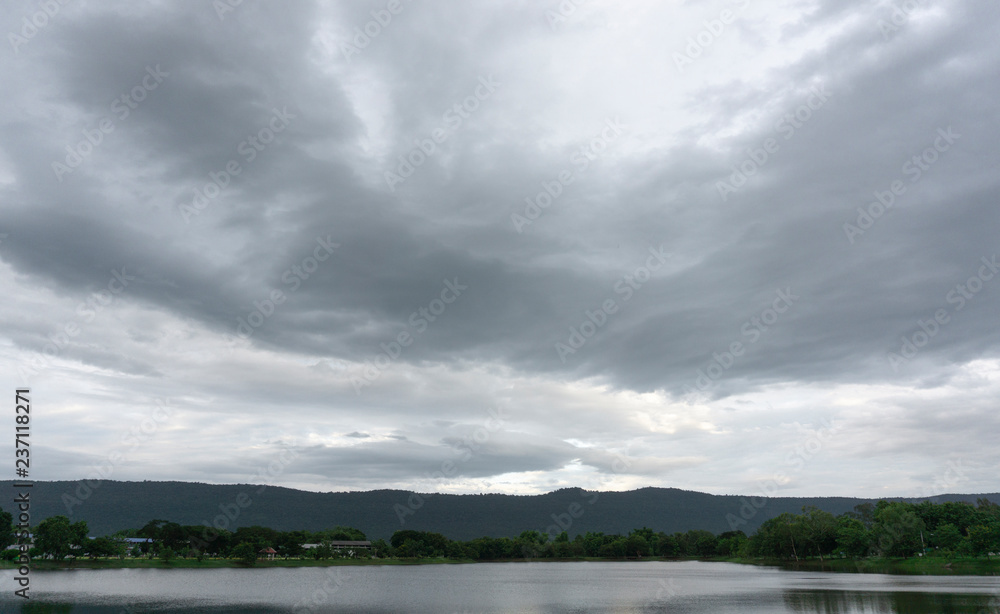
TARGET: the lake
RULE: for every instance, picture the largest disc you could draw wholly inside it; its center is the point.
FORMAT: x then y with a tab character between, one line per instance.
565	588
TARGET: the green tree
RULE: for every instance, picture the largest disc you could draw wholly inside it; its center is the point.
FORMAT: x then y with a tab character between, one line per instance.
707	544
636	545
245	553
647	534
455	550
897	529
988	508
399	537
260	537
592	543
698	542
151	530
563	550
322	551
853	539
666	545
947	536
532	544
779	537
6	529
210	541
614	549
290	543
409	549
819	532
382	549
421	543
957	513
731	543
57	537
983	539
104	547
174	537
865	513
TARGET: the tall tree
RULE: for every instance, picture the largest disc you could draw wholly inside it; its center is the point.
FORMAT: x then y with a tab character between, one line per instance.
6	529
853	539
819	531
245	553
57	537
897	530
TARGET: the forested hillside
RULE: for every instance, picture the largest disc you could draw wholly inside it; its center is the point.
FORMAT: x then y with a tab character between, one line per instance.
108	506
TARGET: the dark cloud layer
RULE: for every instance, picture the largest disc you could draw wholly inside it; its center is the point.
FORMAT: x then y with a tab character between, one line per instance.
227	237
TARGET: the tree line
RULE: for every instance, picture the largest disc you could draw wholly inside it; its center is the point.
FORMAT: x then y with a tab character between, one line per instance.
884	529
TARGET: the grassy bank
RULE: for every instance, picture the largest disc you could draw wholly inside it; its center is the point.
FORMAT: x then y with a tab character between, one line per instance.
209	563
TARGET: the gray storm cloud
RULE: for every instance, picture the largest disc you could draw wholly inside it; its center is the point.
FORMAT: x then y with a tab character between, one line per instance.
653	232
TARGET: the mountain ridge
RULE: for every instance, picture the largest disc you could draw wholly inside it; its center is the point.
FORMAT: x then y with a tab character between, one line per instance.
111	505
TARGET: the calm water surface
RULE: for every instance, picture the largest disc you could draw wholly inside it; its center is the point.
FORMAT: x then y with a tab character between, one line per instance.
578	588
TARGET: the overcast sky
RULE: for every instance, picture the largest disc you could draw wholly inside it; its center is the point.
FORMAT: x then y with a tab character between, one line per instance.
505	247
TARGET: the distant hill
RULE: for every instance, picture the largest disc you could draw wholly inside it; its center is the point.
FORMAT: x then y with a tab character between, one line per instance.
115	505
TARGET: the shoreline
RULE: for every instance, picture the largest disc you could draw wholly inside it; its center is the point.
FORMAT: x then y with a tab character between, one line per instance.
927	566
911	566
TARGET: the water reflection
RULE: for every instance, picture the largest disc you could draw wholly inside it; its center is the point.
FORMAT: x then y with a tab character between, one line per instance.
851	602
530	588
66	608
796	601
46	608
